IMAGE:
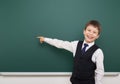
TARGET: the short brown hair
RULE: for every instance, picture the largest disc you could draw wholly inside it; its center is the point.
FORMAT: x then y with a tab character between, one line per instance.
94	23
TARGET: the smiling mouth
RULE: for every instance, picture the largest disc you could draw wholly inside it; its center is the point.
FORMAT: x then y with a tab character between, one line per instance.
89	37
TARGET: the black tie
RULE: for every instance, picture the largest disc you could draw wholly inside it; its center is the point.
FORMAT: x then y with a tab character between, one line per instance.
84	48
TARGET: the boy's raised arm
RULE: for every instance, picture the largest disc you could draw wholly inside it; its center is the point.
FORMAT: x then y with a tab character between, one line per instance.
58	43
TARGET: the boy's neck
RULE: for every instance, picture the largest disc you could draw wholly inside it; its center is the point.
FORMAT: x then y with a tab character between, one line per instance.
89	42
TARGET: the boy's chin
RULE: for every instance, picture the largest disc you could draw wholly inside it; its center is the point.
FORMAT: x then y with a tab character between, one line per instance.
89	41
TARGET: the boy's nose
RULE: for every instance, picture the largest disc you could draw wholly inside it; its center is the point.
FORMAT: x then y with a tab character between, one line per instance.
91	33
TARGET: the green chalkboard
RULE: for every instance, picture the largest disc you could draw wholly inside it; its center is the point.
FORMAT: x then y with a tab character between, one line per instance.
22	20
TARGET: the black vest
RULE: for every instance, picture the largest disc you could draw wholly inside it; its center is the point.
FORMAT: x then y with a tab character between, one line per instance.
84	68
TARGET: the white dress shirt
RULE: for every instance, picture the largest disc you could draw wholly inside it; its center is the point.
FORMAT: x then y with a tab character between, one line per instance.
97	57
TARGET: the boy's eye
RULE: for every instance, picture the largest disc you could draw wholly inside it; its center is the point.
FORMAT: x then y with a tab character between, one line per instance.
89	30
94	32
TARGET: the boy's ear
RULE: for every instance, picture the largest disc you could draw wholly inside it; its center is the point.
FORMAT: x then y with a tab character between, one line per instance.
84	32
97	36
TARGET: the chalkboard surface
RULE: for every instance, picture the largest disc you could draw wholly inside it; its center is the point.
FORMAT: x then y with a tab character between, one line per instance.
22	20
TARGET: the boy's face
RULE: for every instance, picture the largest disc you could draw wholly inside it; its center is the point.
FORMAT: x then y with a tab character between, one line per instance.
91	33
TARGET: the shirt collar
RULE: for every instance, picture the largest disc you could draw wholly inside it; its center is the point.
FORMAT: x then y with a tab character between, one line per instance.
89	44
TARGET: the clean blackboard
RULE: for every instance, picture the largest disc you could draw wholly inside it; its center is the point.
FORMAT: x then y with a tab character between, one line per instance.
22	20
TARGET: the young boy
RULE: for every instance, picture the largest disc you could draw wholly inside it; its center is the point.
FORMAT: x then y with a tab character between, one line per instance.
88	57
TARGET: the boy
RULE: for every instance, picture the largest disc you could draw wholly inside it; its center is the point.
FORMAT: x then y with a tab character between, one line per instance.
88	57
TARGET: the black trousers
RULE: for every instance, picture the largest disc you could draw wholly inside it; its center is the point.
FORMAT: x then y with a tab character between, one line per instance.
82	81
